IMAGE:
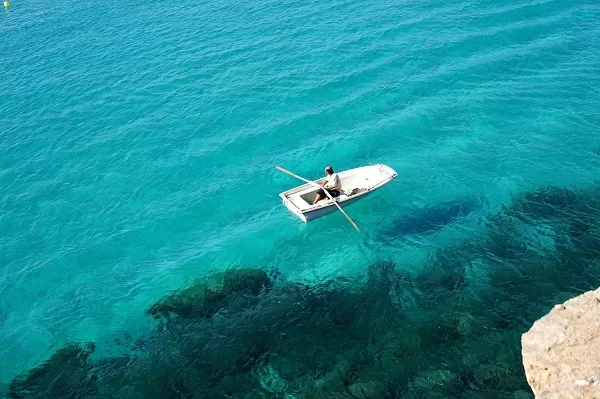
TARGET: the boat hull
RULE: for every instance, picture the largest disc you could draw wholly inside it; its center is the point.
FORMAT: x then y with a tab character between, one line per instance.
312	215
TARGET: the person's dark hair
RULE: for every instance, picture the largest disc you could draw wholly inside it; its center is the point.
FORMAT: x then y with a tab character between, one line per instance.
329	169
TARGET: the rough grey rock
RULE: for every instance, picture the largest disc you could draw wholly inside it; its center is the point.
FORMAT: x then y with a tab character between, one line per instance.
561	351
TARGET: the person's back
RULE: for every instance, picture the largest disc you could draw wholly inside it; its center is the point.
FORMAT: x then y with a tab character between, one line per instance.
334	182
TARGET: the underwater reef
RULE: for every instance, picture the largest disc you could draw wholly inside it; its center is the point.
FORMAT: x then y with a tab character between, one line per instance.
450	329
207	297
65	374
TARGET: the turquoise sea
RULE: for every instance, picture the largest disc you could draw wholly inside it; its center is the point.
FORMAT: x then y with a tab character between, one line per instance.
137	144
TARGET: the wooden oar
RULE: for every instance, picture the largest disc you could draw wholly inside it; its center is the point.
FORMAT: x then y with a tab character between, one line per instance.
279	168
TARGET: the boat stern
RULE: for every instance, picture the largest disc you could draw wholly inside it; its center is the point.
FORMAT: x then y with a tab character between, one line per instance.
292	207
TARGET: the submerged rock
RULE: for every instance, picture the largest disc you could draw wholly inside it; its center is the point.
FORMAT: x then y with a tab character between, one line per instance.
369	389
270	379
520	394
546	203
66	374
560	351
208	296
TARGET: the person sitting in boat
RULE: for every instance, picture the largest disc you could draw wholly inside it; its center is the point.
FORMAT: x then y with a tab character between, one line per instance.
332	184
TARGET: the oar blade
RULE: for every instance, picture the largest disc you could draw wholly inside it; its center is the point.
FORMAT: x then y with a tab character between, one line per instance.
350	220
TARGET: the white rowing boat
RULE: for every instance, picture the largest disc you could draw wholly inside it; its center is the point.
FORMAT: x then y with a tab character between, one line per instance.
356	184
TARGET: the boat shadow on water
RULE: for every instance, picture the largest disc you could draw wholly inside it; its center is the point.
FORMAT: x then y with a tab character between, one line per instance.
444	332
433	218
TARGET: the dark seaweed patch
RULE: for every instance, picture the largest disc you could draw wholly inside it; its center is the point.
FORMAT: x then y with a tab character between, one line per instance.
204	298
66	373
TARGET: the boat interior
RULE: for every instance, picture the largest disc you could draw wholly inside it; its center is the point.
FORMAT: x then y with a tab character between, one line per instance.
352	184
311	193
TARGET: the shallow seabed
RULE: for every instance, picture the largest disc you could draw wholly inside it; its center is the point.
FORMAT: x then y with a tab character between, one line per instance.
143	247
450	330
